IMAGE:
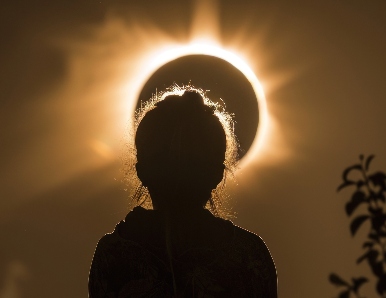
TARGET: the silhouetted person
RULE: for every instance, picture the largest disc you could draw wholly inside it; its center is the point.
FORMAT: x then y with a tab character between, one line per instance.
180	249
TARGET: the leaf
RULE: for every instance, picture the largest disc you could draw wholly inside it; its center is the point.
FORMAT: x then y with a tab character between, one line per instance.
345	184
337	280
357	222
374	236
377	268
378	221
368	161
381	285
345	294
368	244
379	178
370	255
380	196
358	282
361	258
360	183
348	170
357	198
374	211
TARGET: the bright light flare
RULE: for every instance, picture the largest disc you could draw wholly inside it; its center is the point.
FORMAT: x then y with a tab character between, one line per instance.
109	70
171	53
102	149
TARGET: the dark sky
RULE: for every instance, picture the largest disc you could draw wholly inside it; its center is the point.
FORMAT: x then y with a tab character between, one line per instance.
67	74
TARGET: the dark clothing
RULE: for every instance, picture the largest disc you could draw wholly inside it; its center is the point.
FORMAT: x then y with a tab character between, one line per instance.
147	256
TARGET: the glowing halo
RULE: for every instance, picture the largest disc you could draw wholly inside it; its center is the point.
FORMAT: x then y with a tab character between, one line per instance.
169	54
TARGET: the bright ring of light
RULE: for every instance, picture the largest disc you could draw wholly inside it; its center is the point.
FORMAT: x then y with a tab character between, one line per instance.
170	54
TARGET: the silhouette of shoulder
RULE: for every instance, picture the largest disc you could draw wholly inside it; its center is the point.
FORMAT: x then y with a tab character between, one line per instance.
218	259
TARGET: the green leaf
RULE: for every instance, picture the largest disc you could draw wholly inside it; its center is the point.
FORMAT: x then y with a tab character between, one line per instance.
337	280
368	161
357	222
357	198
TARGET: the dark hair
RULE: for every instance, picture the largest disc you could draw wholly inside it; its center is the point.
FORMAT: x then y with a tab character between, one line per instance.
181	138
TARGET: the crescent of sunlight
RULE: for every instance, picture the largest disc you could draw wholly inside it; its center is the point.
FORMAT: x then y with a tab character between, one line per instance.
163	56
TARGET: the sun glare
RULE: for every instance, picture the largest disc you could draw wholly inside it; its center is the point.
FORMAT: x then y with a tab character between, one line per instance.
163	56
136	52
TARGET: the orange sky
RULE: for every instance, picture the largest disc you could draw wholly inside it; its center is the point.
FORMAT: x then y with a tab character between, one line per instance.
69	70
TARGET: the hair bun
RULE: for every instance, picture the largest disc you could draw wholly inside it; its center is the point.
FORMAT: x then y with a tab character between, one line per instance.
189	104
193	98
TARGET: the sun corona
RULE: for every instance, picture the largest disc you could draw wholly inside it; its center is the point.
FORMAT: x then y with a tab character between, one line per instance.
170	53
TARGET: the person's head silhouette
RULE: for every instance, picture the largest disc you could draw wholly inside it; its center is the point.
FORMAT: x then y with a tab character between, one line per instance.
181	146
184	144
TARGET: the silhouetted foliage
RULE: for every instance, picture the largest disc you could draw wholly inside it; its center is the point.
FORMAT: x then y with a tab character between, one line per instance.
370	191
